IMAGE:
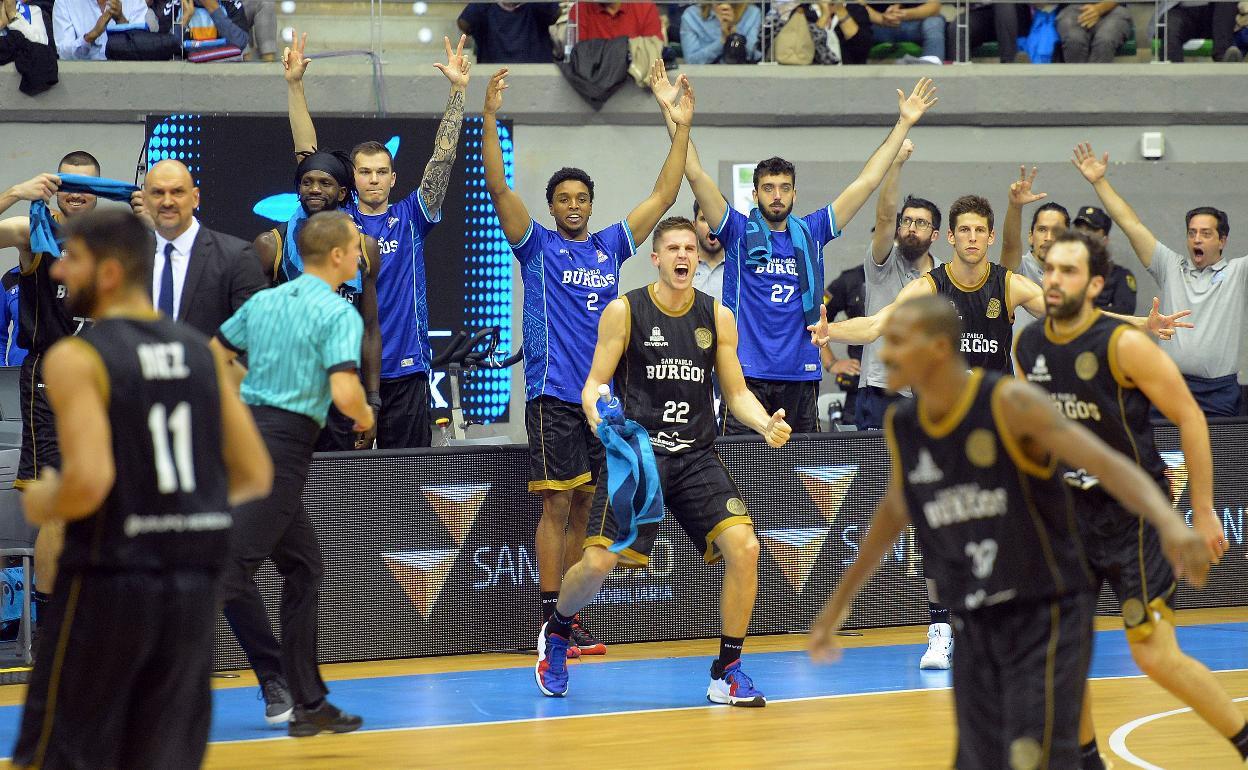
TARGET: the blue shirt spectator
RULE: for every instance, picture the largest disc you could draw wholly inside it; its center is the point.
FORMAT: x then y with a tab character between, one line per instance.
14	353
705	28
510	33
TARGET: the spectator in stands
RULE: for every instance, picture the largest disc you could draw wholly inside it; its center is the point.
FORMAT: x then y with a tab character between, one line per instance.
510	33
1093	32
1193	20
597	20
1118	296
724	33
80	27
261	19
916	22
993	21
853	29
257	17
1241	31
1203	280
228	18
14	353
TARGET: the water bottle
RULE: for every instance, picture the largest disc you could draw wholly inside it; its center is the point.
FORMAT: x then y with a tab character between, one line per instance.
609	407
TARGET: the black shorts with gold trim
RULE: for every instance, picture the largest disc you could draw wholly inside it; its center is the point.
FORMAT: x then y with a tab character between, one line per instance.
1125	551
1019	672
39	447
563	452
699	492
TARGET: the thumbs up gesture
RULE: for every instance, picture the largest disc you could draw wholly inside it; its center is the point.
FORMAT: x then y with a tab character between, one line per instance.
777	431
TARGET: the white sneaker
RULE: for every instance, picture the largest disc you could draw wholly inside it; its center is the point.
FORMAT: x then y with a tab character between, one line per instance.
939	653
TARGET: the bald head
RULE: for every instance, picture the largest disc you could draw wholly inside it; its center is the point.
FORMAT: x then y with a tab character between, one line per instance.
933	316
170	197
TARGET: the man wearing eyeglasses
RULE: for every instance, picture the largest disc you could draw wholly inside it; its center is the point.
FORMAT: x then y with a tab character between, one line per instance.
900	252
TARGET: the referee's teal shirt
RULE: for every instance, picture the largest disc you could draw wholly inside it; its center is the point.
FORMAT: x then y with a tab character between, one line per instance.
295	336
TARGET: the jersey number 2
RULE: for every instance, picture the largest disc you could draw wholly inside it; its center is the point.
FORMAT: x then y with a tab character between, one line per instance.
175	463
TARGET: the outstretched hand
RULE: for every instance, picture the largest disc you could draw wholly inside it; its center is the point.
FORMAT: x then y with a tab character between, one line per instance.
681	111
819	332
1021	191
777	431
1092	168
918	102
457	65
1164	326
494	91
664	90
294	63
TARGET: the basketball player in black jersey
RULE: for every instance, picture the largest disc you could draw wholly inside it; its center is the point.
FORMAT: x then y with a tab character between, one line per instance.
658	346
323	181
155	447
42	321
1105	375
974	468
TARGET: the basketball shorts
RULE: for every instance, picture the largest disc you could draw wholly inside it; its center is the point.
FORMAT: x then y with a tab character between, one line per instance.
1019	672
799	400
563	452
700	495
39	447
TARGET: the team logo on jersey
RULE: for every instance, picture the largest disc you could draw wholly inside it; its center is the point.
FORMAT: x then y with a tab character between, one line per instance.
796	549
422	573
672	442
1176	473
994	308
656	339
736	506
1040	372
1086	365
981	448
602	256
1130	281
925	472
703	337
1025	753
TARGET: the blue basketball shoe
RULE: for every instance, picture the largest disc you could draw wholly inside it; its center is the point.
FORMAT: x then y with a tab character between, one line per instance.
733	686
551	671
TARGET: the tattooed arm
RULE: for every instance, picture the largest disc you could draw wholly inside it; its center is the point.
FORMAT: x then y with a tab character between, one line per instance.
438	171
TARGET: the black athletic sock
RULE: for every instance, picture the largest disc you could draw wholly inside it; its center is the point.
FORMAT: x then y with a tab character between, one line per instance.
41	597
937	613
729	652
558	624
1240	740
1090	757
549	600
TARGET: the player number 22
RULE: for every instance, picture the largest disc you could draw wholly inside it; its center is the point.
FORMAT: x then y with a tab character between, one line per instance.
675	411
983	555
777	290
175	463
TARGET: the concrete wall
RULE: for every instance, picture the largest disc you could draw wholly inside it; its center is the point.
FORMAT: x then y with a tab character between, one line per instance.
983	128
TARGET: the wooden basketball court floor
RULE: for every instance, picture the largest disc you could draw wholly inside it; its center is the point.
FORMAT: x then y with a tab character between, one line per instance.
644	705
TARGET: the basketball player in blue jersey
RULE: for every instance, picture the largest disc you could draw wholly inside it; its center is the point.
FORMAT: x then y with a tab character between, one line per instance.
773	263
975	459
570	275
323	181
400	229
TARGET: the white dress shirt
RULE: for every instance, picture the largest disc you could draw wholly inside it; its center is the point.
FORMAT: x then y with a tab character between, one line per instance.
181	259
73	19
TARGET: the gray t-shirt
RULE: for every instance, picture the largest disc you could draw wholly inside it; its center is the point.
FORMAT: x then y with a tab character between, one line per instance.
1032	269
709	279
1217	297
884	283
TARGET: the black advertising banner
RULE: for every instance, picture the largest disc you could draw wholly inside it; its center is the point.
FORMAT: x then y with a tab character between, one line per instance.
431	553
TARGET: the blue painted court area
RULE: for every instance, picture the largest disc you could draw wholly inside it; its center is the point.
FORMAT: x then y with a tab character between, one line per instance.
502	695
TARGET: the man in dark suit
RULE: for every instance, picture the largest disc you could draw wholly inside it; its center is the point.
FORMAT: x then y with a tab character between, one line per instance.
200	276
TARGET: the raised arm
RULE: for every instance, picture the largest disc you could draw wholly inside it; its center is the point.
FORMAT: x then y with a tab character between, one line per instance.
294	65
911	108
1030	422
512	214
1012	232
647	214
886	207
743	404
438	171
1093	170
712	202
1159	378
612	337
866	329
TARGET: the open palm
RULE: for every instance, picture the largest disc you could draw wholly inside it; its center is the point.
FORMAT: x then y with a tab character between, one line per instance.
918	102
681	112
494	91
1021	191
1092	168
665	91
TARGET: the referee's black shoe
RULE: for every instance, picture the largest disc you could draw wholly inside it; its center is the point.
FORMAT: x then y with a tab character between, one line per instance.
325	718
278	705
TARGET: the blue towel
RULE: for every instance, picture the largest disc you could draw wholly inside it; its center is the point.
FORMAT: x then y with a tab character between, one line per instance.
43	237
292	263
632	478
758	254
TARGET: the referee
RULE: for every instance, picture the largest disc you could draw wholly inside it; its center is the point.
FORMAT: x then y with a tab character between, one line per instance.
302	342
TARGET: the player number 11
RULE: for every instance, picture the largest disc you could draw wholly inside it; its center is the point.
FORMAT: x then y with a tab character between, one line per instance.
175	463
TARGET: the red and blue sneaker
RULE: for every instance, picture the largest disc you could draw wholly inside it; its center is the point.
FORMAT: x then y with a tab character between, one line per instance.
583	642
551	670
733	686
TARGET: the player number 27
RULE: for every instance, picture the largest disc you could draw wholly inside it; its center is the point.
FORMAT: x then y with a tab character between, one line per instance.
983	555
175	463
781	294
675	411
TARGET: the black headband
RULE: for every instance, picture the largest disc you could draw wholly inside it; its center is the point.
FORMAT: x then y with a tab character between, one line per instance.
336	164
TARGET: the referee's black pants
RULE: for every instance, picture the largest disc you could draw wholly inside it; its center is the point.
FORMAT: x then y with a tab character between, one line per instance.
278	528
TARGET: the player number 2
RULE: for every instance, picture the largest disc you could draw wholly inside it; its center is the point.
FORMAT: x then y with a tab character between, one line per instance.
675	411
591	302
781	294
175	464
983	555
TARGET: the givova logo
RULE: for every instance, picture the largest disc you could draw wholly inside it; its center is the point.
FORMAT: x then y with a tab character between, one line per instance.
422	573
1176	472
796	549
